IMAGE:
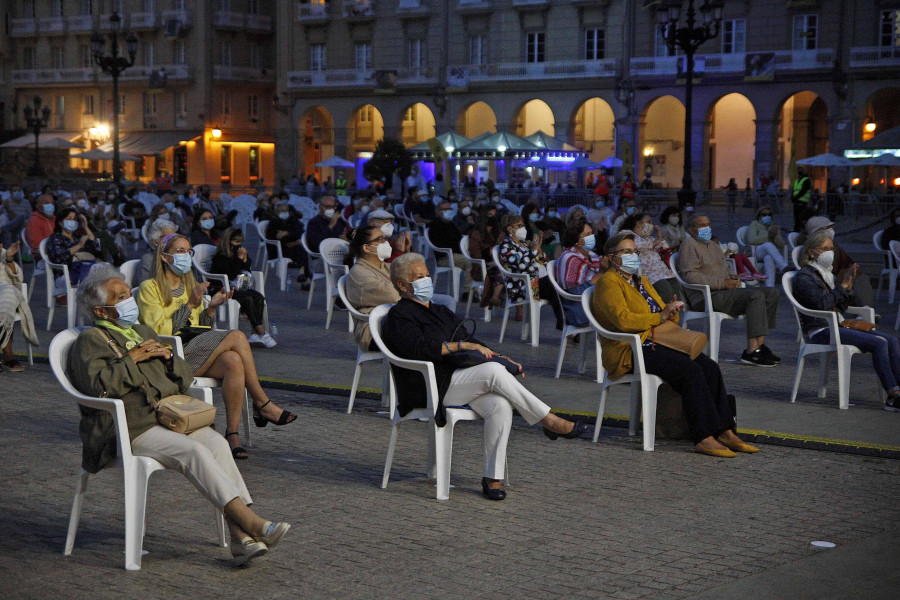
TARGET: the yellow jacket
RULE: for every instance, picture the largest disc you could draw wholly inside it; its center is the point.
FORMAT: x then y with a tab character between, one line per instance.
620	307
158	317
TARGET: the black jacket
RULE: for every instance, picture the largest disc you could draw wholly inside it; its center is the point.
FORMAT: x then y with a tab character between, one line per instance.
294	228
811	291
415	332
444	234
318	230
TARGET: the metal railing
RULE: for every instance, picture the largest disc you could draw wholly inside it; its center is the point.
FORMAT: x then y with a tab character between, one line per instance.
875	56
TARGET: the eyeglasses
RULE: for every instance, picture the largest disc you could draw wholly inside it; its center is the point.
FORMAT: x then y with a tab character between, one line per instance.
189	251
765	214
376	241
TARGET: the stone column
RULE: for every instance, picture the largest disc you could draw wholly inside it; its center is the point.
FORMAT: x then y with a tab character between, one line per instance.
763	157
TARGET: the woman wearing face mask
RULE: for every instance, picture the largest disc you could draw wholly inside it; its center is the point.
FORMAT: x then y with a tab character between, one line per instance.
173	213
121	358
232	259
817	287
765	235
369	283
843	262
202	229
578	268
418	329
672	227
72	244
520	256
483	238
624	301
172	304
287	228
626	209
652	266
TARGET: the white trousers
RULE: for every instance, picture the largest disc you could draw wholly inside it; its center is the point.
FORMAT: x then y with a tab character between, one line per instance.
204	457
493	394
774	265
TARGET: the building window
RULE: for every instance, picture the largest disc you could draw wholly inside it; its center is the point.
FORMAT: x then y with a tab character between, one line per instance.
410	115
661	48
363	56
148	53
226	164
225	54
254	56
149	103
254	164
890	28
253	107
180	103
805	32
178	52
733	36
364	115
594	44
225	103
60	116
317	57
58	57
534	47
28	57
477	50
87	105
416	53
86	7
84	56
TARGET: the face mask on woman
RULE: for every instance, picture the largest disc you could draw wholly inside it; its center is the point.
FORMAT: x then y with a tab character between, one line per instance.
533	217
521	233
384	251
600	204
826	260
589	242
163	217
284	216
423	289
81	203
766	220
70	226
128	312
553	214
631	263
466	211
181	263
170	206
207	224
629	210
646	230
674	220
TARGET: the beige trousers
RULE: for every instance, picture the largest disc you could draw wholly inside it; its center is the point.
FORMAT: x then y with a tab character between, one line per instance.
204	457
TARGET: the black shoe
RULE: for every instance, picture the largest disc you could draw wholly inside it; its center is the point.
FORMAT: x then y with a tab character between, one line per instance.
757	358
893	402
577	431
767	352
492	493
305	286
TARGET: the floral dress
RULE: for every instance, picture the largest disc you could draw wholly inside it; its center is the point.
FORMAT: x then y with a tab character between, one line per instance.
519	258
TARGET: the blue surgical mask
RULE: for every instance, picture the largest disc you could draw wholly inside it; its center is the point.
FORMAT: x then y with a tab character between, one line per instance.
49	209
631	263
170	206
181	263
589	242
600	204
553	214
534	217
629	210
284	216
704	234
423	289
128	313
163	217
70	226
449	214
767	220
207	224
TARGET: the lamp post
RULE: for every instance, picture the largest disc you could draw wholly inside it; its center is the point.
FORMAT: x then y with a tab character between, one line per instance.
114	64
36	118
689	38
625	95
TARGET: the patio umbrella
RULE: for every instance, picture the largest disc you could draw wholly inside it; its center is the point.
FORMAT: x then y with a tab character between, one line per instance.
611	163
335	162
98	154
52	140
883	160
60	143
585	163
826	160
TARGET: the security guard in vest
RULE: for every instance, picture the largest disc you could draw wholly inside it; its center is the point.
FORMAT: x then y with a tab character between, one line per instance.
800	198
340	185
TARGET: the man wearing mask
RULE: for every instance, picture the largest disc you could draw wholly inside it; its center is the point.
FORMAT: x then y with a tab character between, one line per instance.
464	221
626	209
326	224
701	261
216	207
42	222
400	243
444	234
288	229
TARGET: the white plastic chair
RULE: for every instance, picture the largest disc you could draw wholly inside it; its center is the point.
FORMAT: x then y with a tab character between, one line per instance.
230	311
894	249
440	438
40	268
333	251
136	469
644	387
145	233
792	240
128	269
889	269
280	263
447	255
745	246
315	258
51	285
477	263
530	317
132	229
844	352
18	318
712	318
362	356
569	330
795	257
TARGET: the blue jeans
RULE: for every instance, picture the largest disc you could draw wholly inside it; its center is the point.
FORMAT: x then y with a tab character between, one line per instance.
884	348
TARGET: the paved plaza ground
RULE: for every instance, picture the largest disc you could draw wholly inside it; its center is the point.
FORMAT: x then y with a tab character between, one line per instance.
582	520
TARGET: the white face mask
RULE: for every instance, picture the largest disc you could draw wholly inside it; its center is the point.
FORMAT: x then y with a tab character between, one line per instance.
646	230
384	251
674	220
387	229
329	213
826	260
468	211
521	233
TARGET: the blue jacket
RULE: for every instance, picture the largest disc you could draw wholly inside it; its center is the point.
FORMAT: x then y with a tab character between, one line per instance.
811	291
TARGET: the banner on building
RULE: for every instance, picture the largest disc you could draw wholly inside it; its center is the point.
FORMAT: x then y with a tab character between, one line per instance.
759	66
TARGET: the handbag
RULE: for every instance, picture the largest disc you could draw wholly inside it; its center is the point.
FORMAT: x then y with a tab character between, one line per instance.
180	413
473	358
678	338
857	324
190	332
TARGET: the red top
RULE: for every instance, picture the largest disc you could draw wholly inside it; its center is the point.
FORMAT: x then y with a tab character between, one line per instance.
38	228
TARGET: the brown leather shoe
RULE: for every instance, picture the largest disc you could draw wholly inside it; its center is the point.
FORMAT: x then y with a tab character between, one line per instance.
717	452
739	446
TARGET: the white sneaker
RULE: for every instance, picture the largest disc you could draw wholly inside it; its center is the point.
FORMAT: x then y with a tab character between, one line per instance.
255	339
269	341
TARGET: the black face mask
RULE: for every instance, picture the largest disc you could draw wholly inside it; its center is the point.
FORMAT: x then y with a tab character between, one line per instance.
236	247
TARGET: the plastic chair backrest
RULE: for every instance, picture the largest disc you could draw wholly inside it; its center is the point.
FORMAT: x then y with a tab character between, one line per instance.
795	257
551	273
128	269
333	251
307	249
203	254
261	227
792	239
742	236
876	240
342	292
632	339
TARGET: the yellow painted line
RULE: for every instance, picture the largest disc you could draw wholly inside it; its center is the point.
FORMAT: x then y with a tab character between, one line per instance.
820	440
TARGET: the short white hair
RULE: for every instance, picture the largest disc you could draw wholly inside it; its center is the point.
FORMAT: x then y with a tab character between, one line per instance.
401	267
92	289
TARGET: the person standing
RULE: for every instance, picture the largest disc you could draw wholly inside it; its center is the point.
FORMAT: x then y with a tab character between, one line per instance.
800	199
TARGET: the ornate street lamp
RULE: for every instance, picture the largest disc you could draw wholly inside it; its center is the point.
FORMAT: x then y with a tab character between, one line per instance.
689	38
114	64
36	118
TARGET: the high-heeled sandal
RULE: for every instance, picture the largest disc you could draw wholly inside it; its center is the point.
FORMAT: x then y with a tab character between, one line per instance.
492	493
261	421
238	452
578	430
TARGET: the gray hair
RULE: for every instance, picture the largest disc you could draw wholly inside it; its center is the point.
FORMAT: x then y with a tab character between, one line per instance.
695	218
92	289
402	265
813	242
159	228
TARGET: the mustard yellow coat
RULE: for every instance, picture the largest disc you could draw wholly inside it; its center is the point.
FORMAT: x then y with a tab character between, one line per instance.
620	307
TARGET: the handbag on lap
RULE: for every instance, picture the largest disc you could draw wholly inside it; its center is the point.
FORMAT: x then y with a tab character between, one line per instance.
678	338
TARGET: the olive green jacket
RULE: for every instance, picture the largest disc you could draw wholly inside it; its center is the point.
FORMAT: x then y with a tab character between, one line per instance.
95	370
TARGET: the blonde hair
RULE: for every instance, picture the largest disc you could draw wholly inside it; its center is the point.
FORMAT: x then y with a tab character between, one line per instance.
165	291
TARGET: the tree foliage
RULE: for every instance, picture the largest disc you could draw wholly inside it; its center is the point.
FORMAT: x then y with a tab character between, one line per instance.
389	154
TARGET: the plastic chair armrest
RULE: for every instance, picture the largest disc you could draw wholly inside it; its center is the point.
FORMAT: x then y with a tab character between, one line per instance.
175	342
867	313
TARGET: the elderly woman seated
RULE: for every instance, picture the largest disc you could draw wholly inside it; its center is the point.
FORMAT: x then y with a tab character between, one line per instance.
623	301
172	304
817	287
11	302
146	269
120	358
418	329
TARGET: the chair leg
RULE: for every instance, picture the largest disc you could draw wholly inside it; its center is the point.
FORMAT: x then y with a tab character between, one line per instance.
312	288
283	273
135	512
356	373
443	450
329	308
248	414
469	302
824	359
600	412
715	328
892	285
582	354
535	322
390	455
77	505
800	362
843	363
648	410
220	527
599	358
562	353
506	316
635	408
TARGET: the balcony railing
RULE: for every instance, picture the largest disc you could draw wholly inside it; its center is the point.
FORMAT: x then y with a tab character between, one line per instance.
52	25
359	8
414	75
53	76
462	75
172	72
875	56
312	11
330	78
226	18
529	2
23	27
781	60
409	4
143	20
474	5
185	16
243	73
80	23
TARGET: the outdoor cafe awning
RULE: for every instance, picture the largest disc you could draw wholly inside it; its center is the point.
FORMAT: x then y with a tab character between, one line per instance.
883	143
46	140
146	144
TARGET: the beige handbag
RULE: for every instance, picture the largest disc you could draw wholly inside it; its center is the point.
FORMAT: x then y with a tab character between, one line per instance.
678	338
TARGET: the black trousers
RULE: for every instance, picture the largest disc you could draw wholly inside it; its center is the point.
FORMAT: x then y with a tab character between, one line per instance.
801	214
252	304
703	397
546	291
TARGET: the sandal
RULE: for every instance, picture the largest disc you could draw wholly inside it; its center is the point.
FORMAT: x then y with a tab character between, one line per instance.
261	421
238	452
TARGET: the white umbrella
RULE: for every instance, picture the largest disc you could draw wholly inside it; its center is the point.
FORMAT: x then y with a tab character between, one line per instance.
98	154
335	162
826	160
611	163
60	143
883	160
